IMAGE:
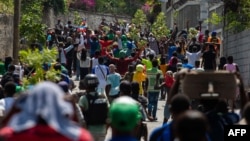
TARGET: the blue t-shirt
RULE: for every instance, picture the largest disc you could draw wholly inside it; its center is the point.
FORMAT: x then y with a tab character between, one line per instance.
171	49
114	80
166	133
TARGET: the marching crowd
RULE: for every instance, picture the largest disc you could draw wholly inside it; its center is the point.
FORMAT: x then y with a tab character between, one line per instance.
120	85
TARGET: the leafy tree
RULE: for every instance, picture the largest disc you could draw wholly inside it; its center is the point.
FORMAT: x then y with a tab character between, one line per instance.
140	19
31	26
159	28
36	59
215	19
6	6
236	15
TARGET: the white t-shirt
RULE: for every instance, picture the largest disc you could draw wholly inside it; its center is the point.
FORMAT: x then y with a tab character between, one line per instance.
192	57
101	71
94	62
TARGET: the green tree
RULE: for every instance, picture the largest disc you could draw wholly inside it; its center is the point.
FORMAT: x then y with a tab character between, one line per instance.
31	26
159	27
6	6
140	19
35	59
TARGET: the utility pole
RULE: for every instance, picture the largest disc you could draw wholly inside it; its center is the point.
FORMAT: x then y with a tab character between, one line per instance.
16	44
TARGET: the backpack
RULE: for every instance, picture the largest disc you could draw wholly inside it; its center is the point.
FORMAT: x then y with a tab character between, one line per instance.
7	77
97	112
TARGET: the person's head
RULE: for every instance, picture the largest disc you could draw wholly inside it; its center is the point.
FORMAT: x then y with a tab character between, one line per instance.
211	47
135	87
194	49
130	68
163	61
112	68
230	59
100	60
223	60
197	64
84	54
97	54
64	86
122	54
11	68
9	89
221	106
174	54
90	83
124	116
57	67
155	63
194	39
60	45
207	32
179	104
151	56
185	61
139	68
125	88
213	34
169	73
105	38
191	126
69	40
178	50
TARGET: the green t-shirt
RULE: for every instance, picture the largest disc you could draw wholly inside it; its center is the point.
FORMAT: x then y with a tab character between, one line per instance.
151	75
148	63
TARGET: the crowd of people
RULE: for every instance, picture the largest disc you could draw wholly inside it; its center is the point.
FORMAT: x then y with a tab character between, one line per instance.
120	85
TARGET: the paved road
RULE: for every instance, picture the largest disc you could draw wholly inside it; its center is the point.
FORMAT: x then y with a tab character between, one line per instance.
151	125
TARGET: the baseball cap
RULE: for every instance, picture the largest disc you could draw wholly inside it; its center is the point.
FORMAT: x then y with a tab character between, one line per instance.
124	114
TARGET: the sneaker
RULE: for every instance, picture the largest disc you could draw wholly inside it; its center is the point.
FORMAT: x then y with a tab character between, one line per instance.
155	119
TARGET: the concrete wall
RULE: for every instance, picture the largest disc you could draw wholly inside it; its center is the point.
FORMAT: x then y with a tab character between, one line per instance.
6	35
93	19
237	45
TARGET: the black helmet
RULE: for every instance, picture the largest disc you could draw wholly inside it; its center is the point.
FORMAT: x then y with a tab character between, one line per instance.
90	80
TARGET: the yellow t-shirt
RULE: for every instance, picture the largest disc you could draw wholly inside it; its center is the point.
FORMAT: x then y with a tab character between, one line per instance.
139	77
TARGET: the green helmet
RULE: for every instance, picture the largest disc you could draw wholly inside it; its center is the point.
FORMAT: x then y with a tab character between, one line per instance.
124	114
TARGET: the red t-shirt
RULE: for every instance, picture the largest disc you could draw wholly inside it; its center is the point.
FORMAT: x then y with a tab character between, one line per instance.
40	133
122	64
104	45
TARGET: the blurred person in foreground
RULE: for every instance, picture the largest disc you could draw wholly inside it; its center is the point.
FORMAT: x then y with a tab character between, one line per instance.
124	116
43	115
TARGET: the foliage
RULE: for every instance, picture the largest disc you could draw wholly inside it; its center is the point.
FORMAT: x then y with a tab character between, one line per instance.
139	22
140	19
77	18
159	28
36	59
192	33
31	26
237	15
215	19
6	6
